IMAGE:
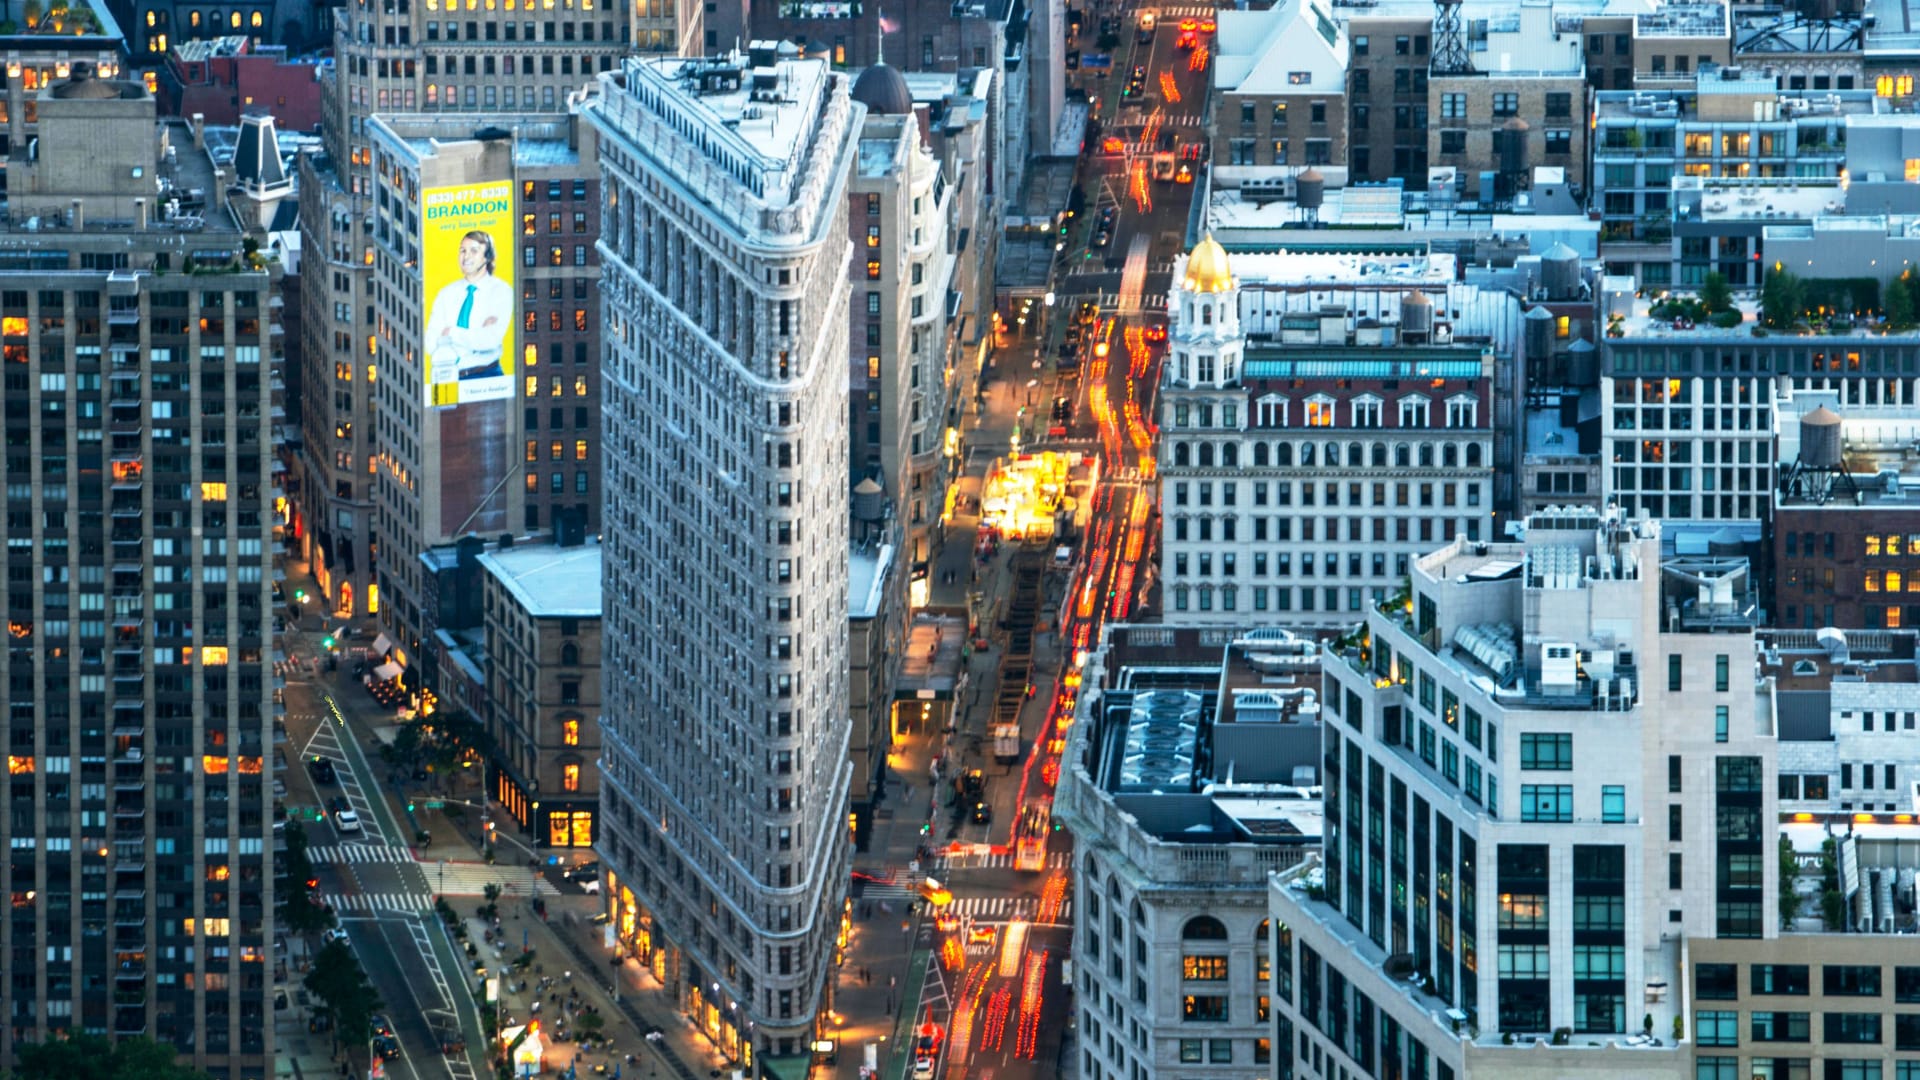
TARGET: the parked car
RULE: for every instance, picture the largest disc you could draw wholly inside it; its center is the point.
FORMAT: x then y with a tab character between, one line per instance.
346	821
321	769
584	872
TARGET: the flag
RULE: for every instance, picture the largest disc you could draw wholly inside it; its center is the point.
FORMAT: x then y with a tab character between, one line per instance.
888	26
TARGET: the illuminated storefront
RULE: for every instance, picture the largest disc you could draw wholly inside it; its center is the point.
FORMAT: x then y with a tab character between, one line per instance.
548	823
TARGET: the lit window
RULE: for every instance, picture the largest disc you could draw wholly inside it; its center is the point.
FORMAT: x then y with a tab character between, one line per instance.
570	732
570	777
19	765
212	765
213	491
213	655
1319	413
579	449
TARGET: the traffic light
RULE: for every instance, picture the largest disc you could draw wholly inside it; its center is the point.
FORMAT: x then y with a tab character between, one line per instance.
327	642
409	806
299	594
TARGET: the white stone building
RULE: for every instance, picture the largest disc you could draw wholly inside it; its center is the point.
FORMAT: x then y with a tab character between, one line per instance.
1545	769
1324	419
1188	778
725	788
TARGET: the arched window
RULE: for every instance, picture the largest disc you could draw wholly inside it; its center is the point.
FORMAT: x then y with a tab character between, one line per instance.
1379	455
1450	455
1206	314
1333	453
1259	455
1306	454
1283	455
1206	455
1260	936
569	654
1203	928
1355	455
1402	455
1181	455
1139	914
1426	455
1473	455
1230	455
1113	890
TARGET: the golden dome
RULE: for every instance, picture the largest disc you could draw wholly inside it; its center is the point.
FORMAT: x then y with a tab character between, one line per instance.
1207	269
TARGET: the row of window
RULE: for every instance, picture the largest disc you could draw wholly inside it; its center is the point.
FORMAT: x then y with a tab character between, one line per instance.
1281	455
1265	598
1721	982
1282	564
1728	1068
1559	141
1320	530
1412	410
1721	1027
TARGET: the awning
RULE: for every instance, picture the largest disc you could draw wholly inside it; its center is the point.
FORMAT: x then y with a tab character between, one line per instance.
388	670
382	646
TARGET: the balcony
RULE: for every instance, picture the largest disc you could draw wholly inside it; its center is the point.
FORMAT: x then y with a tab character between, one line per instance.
130	811
130	1021
131	971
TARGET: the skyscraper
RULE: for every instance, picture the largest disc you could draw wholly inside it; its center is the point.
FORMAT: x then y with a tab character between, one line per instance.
1549	771
140	340
725	786
473	67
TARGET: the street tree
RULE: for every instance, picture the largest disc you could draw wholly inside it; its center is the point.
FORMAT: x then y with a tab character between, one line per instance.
346	996
93	1057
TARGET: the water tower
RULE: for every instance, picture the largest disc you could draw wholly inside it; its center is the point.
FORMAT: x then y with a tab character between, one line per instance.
1820	472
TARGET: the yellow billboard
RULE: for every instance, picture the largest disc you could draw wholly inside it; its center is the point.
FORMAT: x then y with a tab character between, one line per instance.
466	266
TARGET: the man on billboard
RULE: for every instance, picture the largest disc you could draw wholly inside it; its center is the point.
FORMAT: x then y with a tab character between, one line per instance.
470	317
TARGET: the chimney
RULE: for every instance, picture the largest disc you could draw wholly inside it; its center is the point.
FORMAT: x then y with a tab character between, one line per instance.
200	131
79	215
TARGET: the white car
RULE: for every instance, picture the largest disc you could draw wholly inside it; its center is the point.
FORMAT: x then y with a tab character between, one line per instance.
592	887
346	821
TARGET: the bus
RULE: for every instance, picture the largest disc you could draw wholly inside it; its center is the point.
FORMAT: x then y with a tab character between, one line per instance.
1030	835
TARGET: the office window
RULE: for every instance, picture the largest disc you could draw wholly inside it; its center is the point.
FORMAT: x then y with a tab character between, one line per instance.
1716	1027
1716	982
1779	979
1861	1027
1720	673
1542	750
1780	1027
1850	980
1546	802
1613	804
1673	672
1720	723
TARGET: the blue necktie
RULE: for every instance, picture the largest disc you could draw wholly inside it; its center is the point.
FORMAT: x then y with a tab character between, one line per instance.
466	308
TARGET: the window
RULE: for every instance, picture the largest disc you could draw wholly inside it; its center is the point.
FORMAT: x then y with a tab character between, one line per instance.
1780	979
1191	1050
1780	1027
1453	106
1720	673
1613	804
1546	802
1719	723
1506	104
1204	1008
1552	751
570	777
1673	672
1718	1068
1716	982
1860	1027
1906	985
1453	141
570	732
1203	968
1716	1027
1523	911
1524	962
1850	980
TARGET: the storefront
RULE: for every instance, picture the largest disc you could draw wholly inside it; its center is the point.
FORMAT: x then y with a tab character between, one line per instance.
547	823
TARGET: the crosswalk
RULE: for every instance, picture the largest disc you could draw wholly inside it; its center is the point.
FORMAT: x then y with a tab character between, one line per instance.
361	853
371	903
1187	11
1056	860
1002	908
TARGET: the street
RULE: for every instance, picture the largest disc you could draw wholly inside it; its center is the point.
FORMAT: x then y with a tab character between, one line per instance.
991	967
